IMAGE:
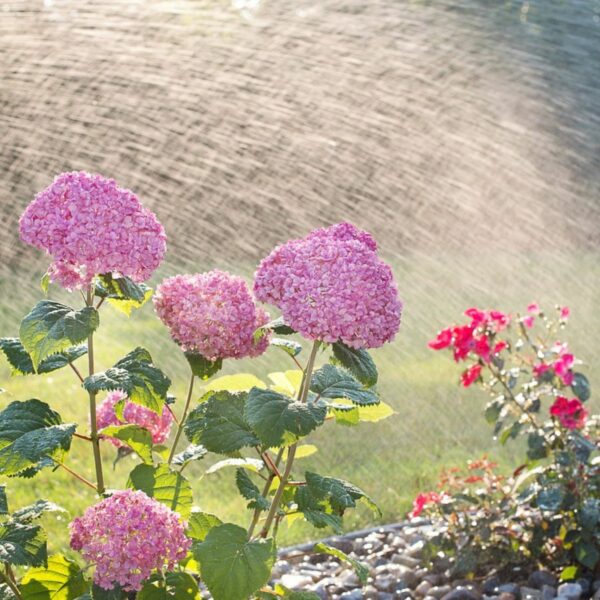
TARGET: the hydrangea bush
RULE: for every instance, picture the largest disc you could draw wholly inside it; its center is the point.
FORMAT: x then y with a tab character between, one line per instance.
548	511
149	541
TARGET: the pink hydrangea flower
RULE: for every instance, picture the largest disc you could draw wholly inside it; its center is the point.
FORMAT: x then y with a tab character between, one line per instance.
127	536
91	226
158	425
213	314
570	413
332	286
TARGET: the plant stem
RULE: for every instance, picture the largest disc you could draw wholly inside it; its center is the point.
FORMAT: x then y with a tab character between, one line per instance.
303	395
87	438
76	370
92	396
77	476
182	420
10	582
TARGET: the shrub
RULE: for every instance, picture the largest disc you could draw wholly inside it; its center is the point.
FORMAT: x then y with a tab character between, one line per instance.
548	511
149	540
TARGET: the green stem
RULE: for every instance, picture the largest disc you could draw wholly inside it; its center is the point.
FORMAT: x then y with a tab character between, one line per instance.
266	488
303	395
92	397
182	420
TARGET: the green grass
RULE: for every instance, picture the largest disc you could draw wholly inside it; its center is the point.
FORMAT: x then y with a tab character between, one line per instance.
436	424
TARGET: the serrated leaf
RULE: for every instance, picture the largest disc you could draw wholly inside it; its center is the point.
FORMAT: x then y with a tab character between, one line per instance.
361	570
99	593
3	500
52	327
202	367
241	382
62	579
277	419
136	437
21	363
581	387
288	346
22	544
29	432
279	327
252	464
218	423
358	362
200	523
34	511
122	293
164	485
176	586
134	374
345	414
192	452
233	568
331	382
249	491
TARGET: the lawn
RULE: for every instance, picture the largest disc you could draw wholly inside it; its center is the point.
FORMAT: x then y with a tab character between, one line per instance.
436	424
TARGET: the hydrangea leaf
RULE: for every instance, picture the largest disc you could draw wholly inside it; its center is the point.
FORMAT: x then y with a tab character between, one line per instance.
345	414
62	579
134	374
164	485
234	568
51	327
192	452
277	419
122	293
31	431
202	367
21	363
249	491
136	437
22	544
34	511
240	382
218	423
99	593
199	525
358	362
252	464
581	387
334	383
361	570
288	346
176	586
45	283
279	327
3	500
6	593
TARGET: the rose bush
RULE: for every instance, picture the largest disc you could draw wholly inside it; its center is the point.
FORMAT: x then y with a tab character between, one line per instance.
548	511
149	541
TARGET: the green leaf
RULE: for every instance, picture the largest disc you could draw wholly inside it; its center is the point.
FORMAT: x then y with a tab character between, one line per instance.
192	452
323	500
202	367
99	593
134	374
288	346
345	414
492	411
136	437
358	362
122	293
6	593
218	423
22	544
233	568
331	382
34	511
361	570
51	327
277	419
569	573
164	485
587	553
536	446
29	432
589	514
550	498
240	382
581	387
61	580
279	327
200	523
252	464
45	283
249	491
176	586
21	363
3	500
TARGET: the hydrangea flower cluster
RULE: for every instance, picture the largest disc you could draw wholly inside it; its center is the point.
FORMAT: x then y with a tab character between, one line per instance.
127	536
570	413
90	226
213	314
158	425
332	286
